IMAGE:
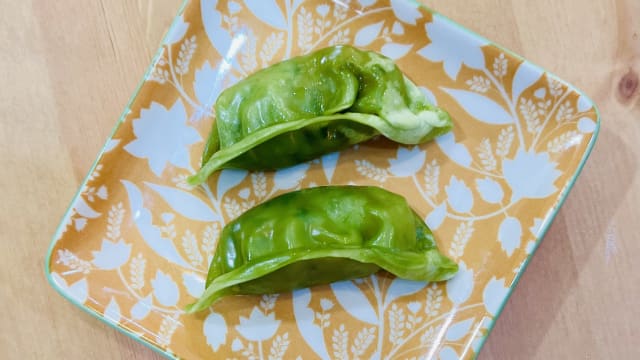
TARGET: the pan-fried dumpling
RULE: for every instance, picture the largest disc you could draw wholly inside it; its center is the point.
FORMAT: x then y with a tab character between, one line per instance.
311	105
321	235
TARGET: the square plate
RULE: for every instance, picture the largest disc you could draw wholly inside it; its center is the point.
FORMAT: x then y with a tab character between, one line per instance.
134	246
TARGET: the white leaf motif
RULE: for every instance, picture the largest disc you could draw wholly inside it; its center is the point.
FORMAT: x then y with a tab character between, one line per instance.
459	288
112	255
493	295
111	144
437	216
447	353
397	28
353	300
102	192
136	272
187	49
479	84
363	340
531	115
329	163
368	34
584	104
326	304
215	330
228	179
586	125
371	171
258	326
459	195
305	33
234	7
565	112
268	11
141	309
163	136
190	247
407	161
184	203
366	3
279	347
167	217
80	223
208	83
480	107
455	151
165	289
212	21
72	261
273	43
248	52
193	283
458	330
209	239
537	226
237	345
530	175
84	209
79	290
395	51
340	343
168	327
541	93
525	76
485	153
244	193
564	142
530	247
177	31
505	139
150	233
112	311
290	177
556	88
432	179
500	66
401	287
305	317
461	238
452	46
397	324
477	343
490	190
510	234
406	11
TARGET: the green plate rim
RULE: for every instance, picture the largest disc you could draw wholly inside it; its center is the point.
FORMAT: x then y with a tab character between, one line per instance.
547	224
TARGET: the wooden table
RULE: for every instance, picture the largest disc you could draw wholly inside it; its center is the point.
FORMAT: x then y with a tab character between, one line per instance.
67	69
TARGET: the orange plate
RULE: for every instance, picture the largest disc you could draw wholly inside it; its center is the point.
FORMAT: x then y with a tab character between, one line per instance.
134	247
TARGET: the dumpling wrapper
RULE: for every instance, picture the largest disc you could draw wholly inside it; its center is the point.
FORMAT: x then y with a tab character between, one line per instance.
311	105
322	235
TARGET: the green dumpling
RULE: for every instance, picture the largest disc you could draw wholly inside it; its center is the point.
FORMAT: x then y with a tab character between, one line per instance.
311	105
322	235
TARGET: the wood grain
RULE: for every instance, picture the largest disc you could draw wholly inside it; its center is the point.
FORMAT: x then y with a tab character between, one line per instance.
68	69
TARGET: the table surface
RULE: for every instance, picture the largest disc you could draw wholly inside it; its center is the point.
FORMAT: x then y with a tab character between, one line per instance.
68	70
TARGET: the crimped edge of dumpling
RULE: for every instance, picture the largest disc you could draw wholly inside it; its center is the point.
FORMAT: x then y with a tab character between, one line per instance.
433	267
426	130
